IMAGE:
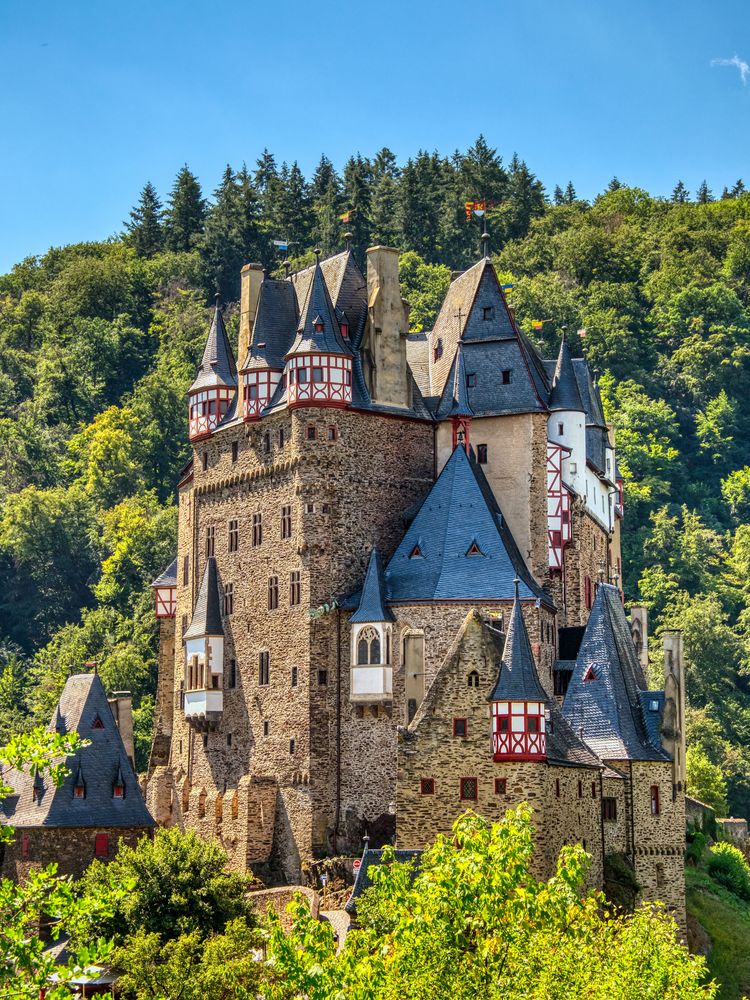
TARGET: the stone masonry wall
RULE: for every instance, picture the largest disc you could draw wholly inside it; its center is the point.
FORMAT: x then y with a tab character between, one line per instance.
71	848
582	557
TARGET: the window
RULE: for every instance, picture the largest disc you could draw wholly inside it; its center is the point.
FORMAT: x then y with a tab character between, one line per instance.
229	739
322	678
185	572
295	676
252	390
561	680
468	787
25	845
588	592
368	647
317	375
267	443
580	789
210	540
482	454
228	598
273	593
437	351
345	330
532	723
560	429
309	508
326	508
427	786
257	530
118	790
655	803
593	789
79	790
590	674
506	375
501	786
232	673
97	723
204	461
312	432
557	788
416	553
282	437
471	381
556	539
234	536
295	588
473	550
264	668
488	313
101	845
473	679
235	450
460	727
184	624
332	432
609	809
266	727
292	745
286	521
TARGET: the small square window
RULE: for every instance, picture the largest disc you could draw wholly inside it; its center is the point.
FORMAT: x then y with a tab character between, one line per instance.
482	454
506	376
326	508
427	786
302	376
235	450
309	508
501	786
532	723
332	432
322	678
468	788
488	313
471	381
312	432
459	727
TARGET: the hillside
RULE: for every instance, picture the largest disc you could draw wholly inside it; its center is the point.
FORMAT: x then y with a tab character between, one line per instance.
98	344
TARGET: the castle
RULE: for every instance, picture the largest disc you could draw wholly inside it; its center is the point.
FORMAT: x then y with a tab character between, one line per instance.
396	590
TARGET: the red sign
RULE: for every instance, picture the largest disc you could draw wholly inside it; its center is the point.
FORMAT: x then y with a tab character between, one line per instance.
357	865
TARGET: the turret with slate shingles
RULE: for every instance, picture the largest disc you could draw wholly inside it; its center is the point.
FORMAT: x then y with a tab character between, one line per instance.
98	804
272	336
214	387
372	640
204	654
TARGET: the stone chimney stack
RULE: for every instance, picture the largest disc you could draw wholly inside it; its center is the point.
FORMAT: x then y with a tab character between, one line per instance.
387	327
251	278
639	631
673	719
121	703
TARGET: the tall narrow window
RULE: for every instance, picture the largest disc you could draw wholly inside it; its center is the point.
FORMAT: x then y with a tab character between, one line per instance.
501	786
286	521
295	676
185	572
257	529
273	593
210	540
101	845
459	727
482	454
235	450
655	803
295	588
264	667
473	679
267	443
312	432
506	376
204	461
228	598
234	536
266	727
282	437
232	673
468	789
332	432
588	592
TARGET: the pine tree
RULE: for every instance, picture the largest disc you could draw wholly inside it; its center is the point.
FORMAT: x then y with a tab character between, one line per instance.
570	194
265	177
738	189
482	173
384	200
186	212
357	199
252	237
221	247
290	211
525	200
615	184
725	193
680	195
558	197
703	194
145	230
325	192
422	206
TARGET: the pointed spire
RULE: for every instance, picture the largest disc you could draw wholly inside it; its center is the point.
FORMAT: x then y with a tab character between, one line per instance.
207	613
461	406
318	328
372	603
518	679
565	394
79	782
217	367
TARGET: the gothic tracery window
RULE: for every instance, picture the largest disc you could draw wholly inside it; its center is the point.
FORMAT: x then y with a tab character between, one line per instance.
368	648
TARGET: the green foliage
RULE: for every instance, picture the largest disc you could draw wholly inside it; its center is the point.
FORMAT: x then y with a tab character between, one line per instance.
474	922
705	780
176	884
727	865
424	287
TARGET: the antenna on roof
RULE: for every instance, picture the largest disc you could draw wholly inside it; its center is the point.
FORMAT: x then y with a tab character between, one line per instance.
347	240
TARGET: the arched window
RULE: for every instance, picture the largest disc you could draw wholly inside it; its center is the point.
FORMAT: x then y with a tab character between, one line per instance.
363	650
368	647
473	679
375	650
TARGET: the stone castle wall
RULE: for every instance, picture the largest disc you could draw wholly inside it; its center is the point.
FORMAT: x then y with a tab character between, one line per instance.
71	848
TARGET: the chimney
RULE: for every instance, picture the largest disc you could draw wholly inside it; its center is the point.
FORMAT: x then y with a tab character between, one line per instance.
673	719
251	278
387	327
639	632
121	703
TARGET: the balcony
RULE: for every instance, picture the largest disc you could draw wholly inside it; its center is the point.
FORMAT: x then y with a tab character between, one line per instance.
204	708
371	685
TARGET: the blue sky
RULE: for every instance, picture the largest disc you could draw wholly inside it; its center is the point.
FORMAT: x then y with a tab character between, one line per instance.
98	97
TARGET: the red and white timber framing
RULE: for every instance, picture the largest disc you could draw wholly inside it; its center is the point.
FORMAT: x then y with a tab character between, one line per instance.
207	409
519	730
558	506
166	601
322	379
260	385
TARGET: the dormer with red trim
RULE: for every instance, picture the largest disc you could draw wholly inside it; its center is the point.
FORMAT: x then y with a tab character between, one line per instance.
215	385
319	363
518	700
165	592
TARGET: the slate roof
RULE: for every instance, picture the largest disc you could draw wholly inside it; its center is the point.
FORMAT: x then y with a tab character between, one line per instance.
363	879
217	368
607	710
565	394
418	359
169	577
207	614
372	606
461	406
459	510
274	326
82	703
517	679
318	309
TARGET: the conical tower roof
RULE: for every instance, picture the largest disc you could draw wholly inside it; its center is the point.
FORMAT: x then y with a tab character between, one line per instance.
372	607
274	327
565	394
207	614
217	368
461	407
318	311
518	679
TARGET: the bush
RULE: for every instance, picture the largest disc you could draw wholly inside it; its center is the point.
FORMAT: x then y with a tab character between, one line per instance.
728	867
695	849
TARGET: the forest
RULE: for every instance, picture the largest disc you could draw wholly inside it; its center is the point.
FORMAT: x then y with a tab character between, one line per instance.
99	342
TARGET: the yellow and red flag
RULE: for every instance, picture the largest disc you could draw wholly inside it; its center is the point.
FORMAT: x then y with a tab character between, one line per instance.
346	217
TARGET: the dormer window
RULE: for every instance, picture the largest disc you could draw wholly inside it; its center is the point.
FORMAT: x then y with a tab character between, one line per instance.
345	330
97	723
319	324
79	790
474	550
589	675
506	376
471	381
118	790
488	313
416	553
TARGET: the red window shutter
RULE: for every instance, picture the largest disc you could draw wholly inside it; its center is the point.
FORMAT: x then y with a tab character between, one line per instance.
101	845
25	845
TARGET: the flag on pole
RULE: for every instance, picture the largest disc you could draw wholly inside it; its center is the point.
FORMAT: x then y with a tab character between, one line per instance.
506	287
346	217
537	324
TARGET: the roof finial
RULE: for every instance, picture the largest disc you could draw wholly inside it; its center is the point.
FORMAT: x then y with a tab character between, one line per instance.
317	251
516	583
485	241
601	570
347	240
